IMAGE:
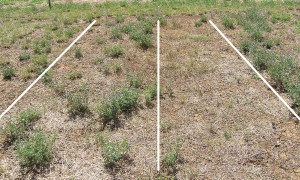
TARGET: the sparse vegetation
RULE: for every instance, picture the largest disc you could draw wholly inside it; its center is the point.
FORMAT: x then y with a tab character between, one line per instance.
24	56
228	22
78	103
78	53
41	46
113	152
8	72
170	160
75	75
115	51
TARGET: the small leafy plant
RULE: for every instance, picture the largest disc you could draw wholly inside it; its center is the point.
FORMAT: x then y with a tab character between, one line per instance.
24	56
228	22
170	160
75	75
36	151
78	103
8	72
115	51
78	53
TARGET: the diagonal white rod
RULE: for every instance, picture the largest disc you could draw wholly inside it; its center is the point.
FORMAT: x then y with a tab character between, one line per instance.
46	70
158	97
253	68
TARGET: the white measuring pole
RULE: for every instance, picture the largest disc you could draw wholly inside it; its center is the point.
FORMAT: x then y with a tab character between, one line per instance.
158	96
46	70
253	68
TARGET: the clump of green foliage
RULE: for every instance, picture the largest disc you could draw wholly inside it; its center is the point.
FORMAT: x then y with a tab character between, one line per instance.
36	151
78	53
24	56
115	51
170	160
113	152
198	23
75	75
116	33
150	93
16	130
228	22
117	68
282	17
119	19
135	81
41	46
78	103
246	46
8	72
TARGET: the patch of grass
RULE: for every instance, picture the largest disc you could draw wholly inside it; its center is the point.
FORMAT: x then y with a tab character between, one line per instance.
117	68
8	72
47	78
172	157
282	17
263	59
115	51
163	21
282	70
203	18
246	46
16	130
228	22
257	36
75	75
105	69
294	91
198	23
113	152
78	103
116	33
150	93
41	46
36	151
100	40
24	56
227	135
119	19
135	81
25	75
53	27
78	53
127	99
108	110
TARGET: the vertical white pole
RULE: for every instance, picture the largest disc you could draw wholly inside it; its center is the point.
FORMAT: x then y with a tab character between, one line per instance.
158	97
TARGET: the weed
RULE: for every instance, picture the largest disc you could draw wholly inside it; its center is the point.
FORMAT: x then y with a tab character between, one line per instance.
59	88
246	46
41	46
78	103
282	70
162	21
135	81
127	99
53	27
100	40
35	151
40	60
294	91
24	56
198	23
175	25
28	116
78	53
119	19
75	75
150	93
113	152
283	17
268	44
116	33
203	18
227	135
25	75
170	159
263	59
257	36
89	17
228	22
105	69
108	110
117	68
47	78
115	51
8	72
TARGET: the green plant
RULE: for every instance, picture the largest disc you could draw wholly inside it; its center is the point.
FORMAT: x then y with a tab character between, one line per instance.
283	17
294	91
282	70
28	116
119	19
246	46
24	56
162	21
263	59
113	152
228	22
150	93
115	51
75	75
8	72
41	46
36	151
105	69
116	33
127	99
268	44
257	36
135	81
108	110
203	18
100	40
78	53
40	61
53	27
171	158
117	68
227	135
47	78
78	103
198	23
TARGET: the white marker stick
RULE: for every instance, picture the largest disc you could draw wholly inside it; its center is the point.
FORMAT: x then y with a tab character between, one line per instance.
46	70
158	97
253	68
